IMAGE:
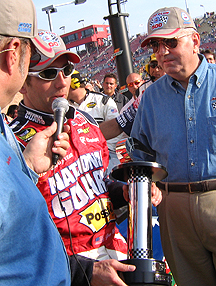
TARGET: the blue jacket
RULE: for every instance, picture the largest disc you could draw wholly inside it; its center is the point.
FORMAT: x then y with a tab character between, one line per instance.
31	249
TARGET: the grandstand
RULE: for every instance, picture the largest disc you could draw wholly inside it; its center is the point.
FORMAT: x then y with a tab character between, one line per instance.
206	27
100	61
96	64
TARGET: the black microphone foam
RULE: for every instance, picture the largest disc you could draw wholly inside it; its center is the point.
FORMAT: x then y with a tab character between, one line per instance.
60	107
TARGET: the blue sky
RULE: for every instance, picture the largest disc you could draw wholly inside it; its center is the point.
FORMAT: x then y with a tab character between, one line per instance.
93	12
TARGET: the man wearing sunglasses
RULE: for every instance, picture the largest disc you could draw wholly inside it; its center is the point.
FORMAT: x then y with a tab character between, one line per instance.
136	86
153	69
176	120
99	105
79	177
134	81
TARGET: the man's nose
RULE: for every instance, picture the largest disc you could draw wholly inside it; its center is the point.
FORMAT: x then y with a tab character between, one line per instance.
61	79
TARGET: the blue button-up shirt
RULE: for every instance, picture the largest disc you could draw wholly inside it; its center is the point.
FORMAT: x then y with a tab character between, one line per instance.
179	126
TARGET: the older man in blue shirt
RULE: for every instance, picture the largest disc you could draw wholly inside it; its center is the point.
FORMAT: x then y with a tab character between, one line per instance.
176	120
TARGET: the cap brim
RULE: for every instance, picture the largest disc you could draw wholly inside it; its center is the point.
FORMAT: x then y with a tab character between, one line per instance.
46	62
45	49
72	57
163	33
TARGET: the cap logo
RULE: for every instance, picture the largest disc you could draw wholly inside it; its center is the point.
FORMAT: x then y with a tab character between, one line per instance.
50	38
25	27
185	17
158	20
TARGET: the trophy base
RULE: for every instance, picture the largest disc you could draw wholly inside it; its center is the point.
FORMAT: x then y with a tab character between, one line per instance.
149	272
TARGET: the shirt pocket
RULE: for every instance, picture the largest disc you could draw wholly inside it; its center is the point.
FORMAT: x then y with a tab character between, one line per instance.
212	134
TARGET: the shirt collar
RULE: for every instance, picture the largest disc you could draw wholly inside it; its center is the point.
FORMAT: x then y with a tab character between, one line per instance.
199	75
40	117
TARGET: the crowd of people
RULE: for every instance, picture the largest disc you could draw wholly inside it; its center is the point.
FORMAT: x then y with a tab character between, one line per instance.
58	222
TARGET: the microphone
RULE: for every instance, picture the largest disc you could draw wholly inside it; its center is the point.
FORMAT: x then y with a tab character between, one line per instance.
60	107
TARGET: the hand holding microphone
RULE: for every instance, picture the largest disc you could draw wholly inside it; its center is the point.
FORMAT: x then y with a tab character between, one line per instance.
60	107
38	152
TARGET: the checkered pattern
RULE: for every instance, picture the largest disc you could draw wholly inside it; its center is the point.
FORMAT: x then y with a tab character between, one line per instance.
139	174
214	105
158	19
140	253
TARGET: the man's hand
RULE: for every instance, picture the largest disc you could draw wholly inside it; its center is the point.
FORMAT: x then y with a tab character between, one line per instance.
156	194
98	84
105	273
38	152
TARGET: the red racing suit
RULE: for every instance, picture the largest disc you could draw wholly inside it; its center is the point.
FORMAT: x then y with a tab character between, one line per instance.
79	178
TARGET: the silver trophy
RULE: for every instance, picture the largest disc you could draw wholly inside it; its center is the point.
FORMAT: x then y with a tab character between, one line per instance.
139	175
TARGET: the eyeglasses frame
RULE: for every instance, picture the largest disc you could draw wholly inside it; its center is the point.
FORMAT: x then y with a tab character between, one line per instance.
37	73
130	84
165	45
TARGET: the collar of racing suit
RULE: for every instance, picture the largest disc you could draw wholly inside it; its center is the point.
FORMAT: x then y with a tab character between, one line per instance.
42	118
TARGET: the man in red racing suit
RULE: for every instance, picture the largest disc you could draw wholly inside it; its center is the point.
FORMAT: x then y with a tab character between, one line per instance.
77	195
79	178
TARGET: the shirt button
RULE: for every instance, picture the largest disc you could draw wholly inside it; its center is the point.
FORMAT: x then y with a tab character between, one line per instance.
189	96
190	118
192	164
191	141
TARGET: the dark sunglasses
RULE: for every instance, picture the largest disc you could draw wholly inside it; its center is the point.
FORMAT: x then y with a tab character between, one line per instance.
154	65
136	82
168	43
52	73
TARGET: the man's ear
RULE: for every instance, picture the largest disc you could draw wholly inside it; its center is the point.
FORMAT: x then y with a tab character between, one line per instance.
196	41
12	57
23	89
